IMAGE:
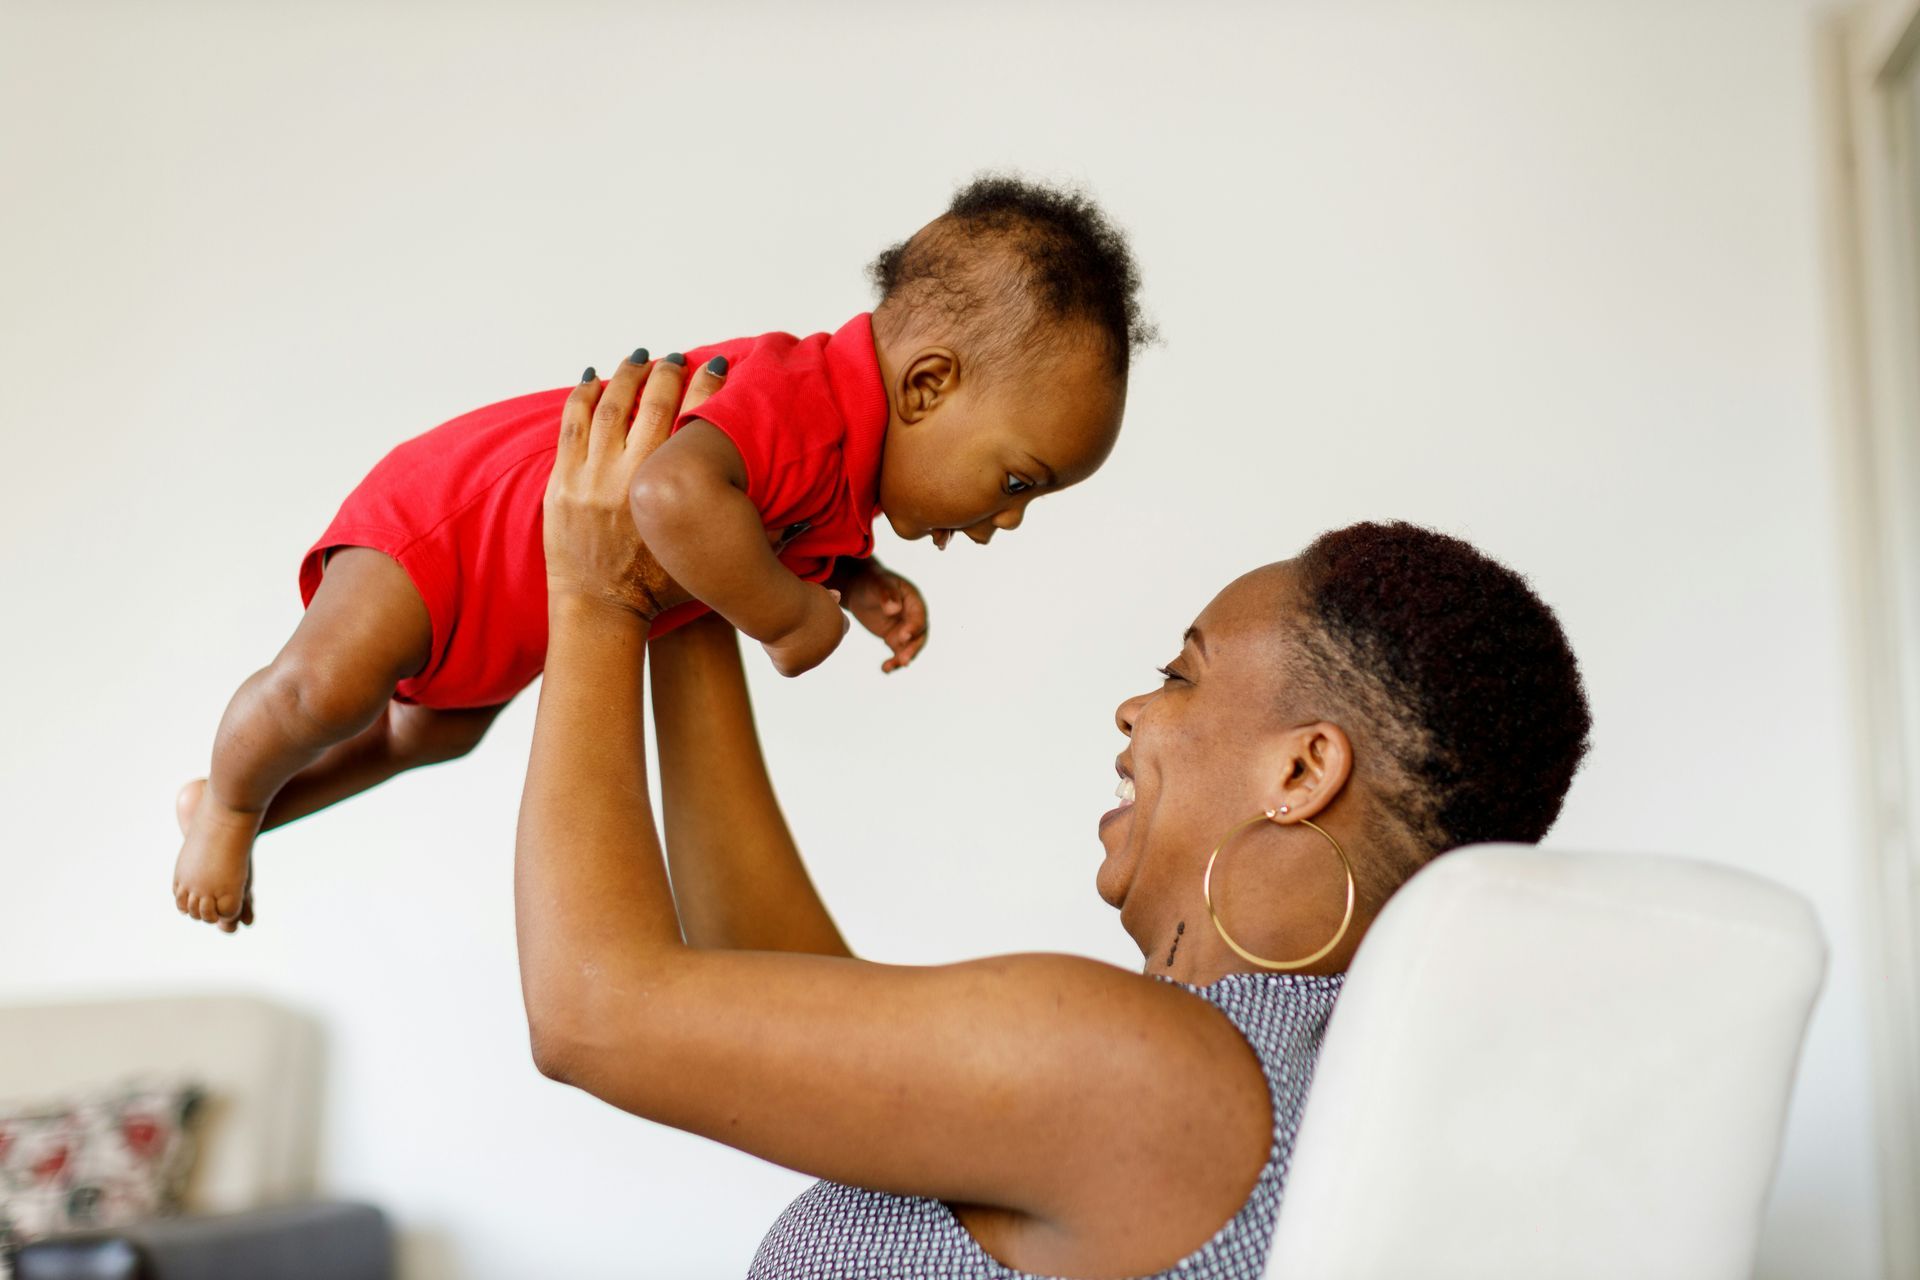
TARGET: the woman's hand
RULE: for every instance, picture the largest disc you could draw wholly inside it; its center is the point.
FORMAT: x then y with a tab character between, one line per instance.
593	550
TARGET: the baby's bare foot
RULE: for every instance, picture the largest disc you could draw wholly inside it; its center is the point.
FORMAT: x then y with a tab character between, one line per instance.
211	877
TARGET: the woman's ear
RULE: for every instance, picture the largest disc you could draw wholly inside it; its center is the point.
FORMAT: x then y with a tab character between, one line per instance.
929	377
1316	761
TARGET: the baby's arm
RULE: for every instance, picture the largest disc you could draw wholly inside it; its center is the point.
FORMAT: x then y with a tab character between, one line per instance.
690	505
884	603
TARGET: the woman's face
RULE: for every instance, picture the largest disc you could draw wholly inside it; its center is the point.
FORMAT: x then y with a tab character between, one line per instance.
1210	748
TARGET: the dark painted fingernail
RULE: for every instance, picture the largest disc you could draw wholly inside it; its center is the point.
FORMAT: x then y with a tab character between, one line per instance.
676	358
717	366
589	375
639	356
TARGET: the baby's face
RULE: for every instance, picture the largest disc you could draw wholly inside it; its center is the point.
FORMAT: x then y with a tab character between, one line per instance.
978	457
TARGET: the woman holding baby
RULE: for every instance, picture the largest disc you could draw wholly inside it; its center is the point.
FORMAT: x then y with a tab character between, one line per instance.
1331	723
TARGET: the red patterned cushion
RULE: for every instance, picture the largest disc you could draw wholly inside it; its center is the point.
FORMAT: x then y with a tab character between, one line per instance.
105	1161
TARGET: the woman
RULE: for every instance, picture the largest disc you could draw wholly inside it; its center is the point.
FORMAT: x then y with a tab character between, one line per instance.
1329	725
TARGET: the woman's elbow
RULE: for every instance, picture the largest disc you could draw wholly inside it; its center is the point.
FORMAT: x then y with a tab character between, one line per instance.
596	1035
581	1043
555	1056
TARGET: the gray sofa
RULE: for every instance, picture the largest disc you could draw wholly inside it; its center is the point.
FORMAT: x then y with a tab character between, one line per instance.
251	1209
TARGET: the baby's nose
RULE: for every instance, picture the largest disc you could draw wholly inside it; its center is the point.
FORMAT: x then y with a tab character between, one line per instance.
1010	518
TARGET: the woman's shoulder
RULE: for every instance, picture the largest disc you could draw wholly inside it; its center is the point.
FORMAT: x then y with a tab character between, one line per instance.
1211	1082
1170	1056
1127	1081
1252	1003
1264	1000
1283	1018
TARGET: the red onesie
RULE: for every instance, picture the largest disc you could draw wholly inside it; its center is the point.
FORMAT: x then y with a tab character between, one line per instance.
459	507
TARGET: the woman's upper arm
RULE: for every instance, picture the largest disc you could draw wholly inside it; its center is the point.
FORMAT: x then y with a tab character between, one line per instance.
1046	1085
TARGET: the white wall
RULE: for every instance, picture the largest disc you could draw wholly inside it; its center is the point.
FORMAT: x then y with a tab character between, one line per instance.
1546	275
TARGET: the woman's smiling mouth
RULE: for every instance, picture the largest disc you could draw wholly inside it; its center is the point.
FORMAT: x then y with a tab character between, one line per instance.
1125	793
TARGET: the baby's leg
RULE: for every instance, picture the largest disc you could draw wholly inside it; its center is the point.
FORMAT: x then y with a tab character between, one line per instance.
404	737
365	630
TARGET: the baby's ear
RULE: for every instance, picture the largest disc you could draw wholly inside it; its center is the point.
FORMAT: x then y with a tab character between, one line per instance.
930	376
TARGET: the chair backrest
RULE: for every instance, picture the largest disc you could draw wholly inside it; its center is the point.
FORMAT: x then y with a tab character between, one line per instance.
259	1063
1554	1064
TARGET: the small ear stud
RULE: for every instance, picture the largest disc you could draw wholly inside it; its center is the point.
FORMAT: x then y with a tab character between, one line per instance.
1285	808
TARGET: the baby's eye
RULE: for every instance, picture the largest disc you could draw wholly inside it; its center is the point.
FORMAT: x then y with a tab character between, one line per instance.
1016	485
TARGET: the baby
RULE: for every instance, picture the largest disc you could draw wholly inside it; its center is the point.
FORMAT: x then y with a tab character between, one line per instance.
992	371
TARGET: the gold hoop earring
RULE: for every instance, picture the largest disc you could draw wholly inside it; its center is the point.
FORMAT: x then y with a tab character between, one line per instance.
1206	893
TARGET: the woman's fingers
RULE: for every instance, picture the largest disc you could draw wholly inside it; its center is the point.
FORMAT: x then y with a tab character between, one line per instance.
576	418
659	410
659	405
709	378
615	409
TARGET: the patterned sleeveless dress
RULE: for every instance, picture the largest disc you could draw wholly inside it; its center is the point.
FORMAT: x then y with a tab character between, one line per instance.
837	1232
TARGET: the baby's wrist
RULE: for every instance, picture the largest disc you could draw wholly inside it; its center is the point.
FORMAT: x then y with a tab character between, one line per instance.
849	570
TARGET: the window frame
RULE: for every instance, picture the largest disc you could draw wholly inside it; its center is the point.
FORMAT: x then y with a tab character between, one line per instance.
1871	61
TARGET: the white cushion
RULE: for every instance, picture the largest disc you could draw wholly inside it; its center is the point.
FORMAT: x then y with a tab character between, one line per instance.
1554	1064
258	1062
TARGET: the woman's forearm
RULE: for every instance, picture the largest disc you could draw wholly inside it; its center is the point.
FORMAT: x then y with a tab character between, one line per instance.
593	909
738	879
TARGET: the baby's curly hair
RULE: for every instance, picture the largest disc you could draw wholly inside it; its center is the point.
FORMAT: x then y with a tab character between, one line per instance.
1016	263
1460	675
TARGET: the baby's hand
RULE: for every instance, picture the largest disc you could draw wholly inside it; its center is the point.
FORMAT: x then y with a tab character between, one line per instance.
889	606
818	634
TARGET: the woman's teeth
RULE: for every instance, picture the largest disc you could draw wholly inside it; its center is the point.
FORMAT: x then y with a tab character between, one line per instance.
940	537
1124	792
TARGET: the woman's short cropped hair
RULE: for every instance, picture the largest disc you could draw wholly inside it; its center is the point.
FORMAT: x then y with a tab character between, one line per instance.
1459	676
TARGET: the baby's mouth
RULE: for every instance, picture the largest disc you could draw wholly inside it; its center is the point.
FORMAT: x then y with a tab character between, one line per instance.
940	537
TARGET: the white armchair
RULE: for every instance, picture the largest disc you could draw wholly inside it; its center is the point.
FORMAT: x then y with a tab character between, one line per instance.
1554	1065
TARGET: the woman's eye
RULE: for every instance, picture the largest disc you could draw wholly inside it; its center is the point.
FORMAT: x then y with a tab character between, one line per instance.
1016	485
1167	673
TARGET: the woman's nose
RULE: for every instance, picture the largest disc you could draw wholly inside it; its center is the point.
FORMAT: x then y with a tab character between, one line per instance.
1129	711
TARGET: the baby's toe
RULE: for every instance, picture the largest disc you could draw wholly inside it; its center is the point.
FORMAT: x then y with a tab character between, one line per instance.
227	907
